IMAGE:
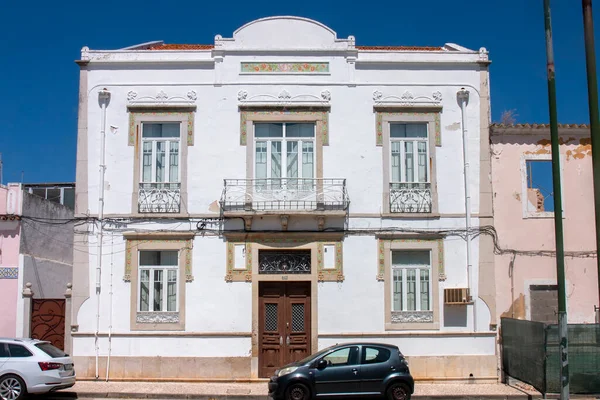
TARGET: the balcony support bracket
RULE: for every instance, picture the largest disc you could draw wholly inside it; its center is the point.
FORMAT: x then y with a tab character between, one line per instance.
284	221
248	222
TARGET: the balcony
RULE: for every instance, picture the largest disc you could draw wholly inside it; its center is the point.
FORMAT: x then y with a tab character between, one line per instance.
159	198
410	197
284	195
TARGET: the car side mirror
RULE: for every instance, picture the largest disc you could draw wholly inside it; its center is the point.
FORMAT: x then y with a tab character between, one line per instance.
321	364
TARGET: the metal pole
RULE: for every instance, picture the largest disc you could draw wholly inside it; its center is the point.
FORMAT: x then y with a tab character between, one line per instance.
590	62
558	223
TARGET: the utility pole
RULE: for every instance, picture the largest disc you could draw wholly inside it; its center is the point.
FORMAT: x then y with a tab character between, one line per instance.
590	63
558	223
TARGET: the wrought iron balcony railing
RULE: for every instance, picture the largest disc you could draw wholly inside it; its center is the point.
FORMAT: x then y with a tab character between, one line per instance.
284	194
159	198
410	197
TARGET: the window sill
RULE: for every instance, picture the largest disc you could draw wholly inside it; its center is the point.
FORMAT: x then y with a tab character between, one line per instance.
413	326
411	215
540	215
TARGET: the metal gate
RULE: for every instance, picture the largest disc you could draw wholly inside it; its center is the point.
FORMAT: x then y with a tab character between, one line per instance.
48	321
530	353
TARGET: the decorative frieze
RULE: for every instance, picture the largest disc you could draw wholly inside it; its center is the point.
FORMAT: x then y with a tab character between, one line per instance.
157	317
9	273
284	68
406	317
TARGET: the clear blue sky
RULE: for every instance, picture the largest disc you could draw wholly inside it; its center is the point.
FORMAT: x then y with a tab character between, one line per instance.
41	39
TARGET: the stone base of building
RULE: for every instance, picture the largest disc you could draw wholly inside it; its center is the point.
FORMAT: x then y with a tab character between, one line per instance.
471	369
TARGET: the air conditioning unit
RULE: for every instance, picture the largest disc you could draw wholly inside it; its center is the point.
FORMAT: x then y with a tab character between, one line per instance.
457	296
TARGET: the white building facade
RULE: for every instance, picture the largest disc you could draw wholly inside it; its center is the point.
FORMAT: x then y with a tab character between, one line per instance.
267	196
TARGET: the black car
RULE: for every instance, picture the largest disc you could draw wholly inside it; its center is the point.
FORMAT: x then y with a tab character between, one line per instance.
349	369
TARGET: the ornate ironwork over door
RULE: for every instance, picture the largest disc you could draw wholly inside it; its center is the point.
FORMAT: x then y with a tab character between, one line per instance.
284	262
48	321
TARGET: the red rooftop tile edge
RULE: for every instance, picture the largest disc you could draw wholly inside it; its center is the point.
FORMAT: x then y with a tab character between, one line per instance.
183	47
400	48
375	48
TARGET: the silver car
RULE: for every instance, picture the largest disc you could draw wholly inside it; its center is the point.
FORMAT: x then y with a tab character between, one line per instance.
32	366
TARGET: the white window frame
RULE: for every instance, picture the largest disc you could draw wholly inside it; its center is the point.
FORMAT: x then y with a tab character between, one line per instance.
165	269
154	141
415	142
524	194
404	268
284	140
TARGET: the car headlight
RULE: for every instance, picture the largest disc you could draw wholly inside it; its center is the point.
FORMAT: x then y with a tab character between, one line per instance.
286	371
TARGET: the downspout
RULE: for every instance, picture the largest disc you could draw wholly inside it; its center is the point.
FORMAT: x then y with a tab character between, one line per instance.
463	97
110	313
103	99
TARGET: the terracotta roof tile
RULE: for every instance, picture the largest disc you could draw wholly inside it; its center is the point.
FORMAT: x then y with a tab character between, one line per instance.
183	47
540	126
400	48
364	48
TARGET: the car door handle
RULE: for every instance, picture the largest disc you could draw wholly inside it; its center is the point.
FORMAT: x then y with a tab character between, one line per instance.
355	371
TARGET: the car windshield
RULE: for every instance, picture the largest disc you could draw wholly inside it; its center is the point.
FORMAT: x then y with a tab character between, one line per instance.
315	356
52	351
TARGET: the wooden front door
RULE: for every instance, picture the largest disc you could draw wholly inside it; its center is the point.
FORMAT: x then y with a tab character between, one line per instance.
284	324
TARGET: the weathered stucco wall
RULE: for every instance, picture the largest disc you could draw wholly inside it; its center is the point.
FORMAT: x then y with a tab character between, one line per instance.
536	234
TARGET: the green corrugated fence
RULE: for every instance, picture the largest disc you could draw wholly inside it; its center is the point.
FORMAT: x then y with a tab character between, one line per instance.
530	353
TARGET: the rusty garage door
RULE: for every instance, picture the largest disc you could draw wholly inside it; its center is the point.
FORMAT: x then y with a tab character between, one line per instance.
48	321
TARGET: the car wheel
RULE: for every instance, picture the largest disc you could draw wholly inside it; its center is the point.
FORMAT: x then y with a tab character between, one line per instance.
297	391
398	391
12	388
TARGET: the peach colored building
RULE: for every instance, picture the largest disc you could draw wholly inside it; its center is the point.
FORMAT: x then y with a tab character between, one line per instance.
524	211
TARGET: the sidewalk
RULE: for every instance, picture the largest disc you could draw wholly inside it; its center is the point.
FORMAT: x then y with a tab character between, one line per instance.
258	390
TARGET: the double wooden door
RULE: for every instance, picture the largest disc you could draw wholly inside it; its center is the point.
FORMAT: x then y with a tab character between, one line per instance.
284	324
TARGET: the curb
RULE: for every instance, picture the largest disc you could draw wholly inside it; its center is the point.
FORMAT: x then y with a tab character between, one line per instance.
133	395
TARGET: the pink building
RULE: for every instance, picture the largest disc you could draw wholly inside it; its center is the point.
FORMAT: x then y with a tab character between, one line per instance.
10	211
36	261
523	210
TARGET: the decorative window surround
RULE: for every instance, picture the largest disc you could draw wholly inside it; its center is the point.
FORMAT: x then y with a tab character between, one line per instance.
410	320
248	117
385	118
381	253
334	274
137	116
9	273
289	68
245	275
407	116
174	114
238	275
181	241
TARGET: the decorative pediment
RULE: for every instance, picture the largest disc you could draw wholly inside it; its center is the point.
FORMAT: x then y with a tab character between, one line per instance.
285	98
161	98
292	33
407	98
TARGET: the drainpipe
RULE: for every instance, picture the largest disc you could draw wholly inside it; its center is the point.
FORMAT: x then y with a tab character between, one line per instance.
110	313
463	97
103	99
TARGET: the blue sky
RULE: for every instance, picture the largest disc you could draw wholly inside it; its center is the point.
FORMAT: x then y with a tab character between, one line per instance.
40	40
